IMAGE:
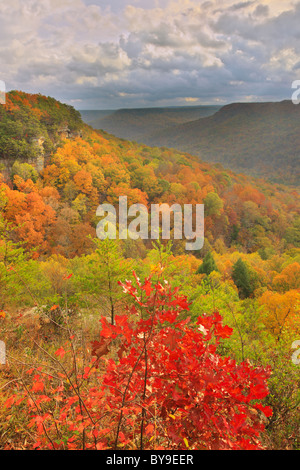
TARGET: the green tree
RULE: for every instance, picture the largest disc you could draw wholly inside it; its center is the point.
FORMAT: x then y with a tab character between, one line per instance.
213	204
241	278
292	234
102	272
16	270
25	171
208	265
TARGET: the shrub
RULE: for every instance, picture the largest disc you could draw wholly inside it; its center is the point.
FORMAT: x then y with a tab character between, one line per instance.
155	382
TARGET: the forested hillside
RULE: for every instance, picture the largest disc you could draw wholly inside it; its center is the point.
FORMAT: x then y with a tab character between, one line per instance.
91	367
25	118
142	124
260	139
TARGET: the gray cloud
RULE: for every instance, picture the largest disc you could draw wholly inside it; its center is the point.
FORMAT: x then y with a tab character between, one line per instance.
101	54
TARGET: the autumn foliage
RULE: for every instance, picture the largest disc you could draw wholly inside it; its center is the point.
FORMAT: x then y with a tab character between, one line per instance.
155	382
163	373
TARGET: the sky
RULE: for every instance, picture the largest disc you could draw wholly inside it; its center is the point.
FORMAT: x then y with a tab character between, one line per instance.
100	54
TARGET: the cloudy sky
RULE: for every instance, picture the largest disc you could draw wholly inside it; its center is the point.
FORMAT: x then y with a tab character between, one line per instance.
101	54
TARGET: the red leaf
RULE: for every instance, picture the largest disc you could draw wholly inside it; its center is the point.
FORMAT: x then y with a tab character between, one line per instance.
147	287
223	331
266	410
9	402
171	340
38	387
106	330
60	352
100	348
149	429
54	307
67	277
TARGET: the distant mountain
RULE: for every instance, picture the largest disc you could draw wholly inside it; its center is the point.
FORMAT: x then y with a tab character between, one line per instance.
261	139
258	138
142	123
92	115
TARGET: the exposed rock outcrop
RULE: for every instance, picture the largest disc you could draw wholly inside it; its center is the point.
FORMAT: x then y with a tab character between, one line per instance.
39	162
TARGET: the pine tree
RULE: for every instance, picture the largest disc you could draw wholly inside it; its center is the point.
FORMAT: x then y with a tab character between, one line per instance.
241	278
208	265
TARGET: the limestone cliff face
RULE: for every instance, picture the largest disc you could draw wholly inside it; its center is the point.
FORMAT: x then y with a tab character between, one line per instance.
39	162
65	133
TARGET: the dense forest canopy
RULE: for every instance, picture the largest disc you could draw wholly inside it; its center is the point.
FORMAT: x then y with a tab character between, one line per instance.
51	262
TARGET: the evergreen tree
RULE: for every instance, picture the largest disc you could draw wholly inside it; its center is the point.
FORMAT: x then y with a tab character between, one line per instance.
208	265
241	278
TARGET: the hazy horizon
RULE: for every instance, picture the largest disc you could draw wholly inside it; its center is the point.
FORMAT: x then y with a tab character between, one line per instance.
182	106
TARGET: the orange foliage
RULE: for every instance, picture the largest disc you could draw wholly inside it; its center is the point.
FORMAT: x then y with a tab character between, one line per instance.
281	312
288	279
30	215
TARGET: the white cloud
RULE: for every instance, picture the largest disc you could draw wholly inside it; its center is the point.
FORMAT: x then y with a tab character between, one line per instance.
163	51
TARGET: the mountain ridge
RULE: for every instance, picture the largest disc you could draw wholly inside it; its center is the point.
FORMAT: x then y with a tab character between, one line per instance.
259	138
140	123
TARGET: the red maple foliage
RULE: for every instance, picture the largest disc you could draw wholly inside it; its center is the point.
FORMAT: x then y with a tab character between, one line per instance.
156	381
